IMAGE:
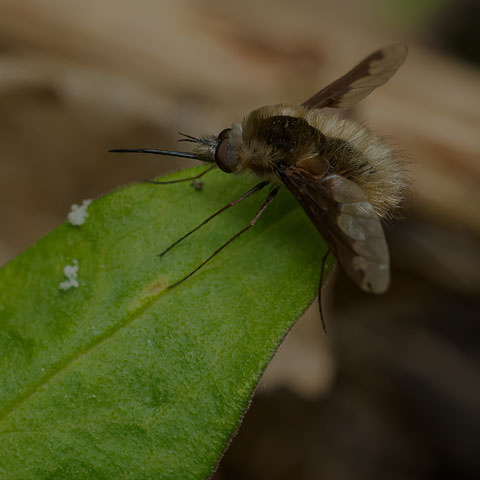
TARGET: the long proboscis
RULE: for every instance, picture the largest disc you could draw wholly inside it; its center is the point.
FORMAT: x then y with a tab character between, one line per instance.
157	152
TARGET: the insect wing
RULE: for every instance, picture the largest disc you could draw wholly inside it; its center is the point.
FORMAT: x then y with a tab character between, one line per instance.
349	224
361	80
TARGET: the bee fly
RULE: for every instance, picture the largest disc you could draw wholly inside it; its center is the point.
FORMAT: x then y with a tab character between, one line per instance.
346	178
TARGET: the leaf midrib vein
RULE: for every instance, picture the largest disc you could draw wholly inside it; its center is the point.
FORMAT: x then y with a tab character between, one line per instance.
111	332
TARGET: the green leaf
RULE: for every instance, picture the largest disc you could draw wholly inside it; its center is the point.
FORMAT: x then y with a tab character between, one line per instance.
121	377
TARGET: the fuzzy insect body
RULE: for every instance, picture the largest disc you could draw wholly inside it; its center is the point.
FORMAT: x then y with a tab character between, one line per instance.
346	177
273	137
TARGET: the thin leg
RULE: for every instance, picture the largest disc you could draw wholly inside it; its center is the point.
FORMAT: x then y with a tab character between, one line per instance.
267	202
324	259
255	189
183	179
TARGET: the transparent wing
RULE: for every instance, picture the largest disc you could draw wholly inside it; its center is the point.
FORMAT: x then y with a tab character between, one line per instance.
349	224
361	80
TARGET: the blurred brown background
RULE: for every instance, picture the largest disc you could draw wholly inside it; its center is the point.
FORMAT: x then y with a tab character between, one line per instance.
393	391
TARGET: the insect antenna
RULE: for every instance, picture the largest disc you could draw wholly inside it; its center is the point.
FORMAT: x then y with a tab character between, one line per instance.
192	139
255	189
265	204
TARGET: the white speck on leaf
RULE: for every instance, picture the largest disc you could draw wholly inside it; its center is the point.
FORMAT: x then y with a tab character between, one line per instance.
78	213
71	272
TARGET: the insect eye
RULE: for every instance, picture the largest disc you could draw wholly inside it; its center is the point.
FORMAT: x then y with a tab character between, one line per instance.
223	134
225	156
222	154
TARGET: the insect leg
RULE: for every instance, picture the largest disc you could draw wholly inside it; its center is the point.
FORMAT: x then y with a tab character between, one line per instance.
255	189
183	179
320	283
253	221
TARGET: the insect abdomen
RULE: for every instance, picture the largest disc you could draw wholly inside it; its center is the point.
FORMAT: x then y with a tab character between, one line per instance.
285	134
